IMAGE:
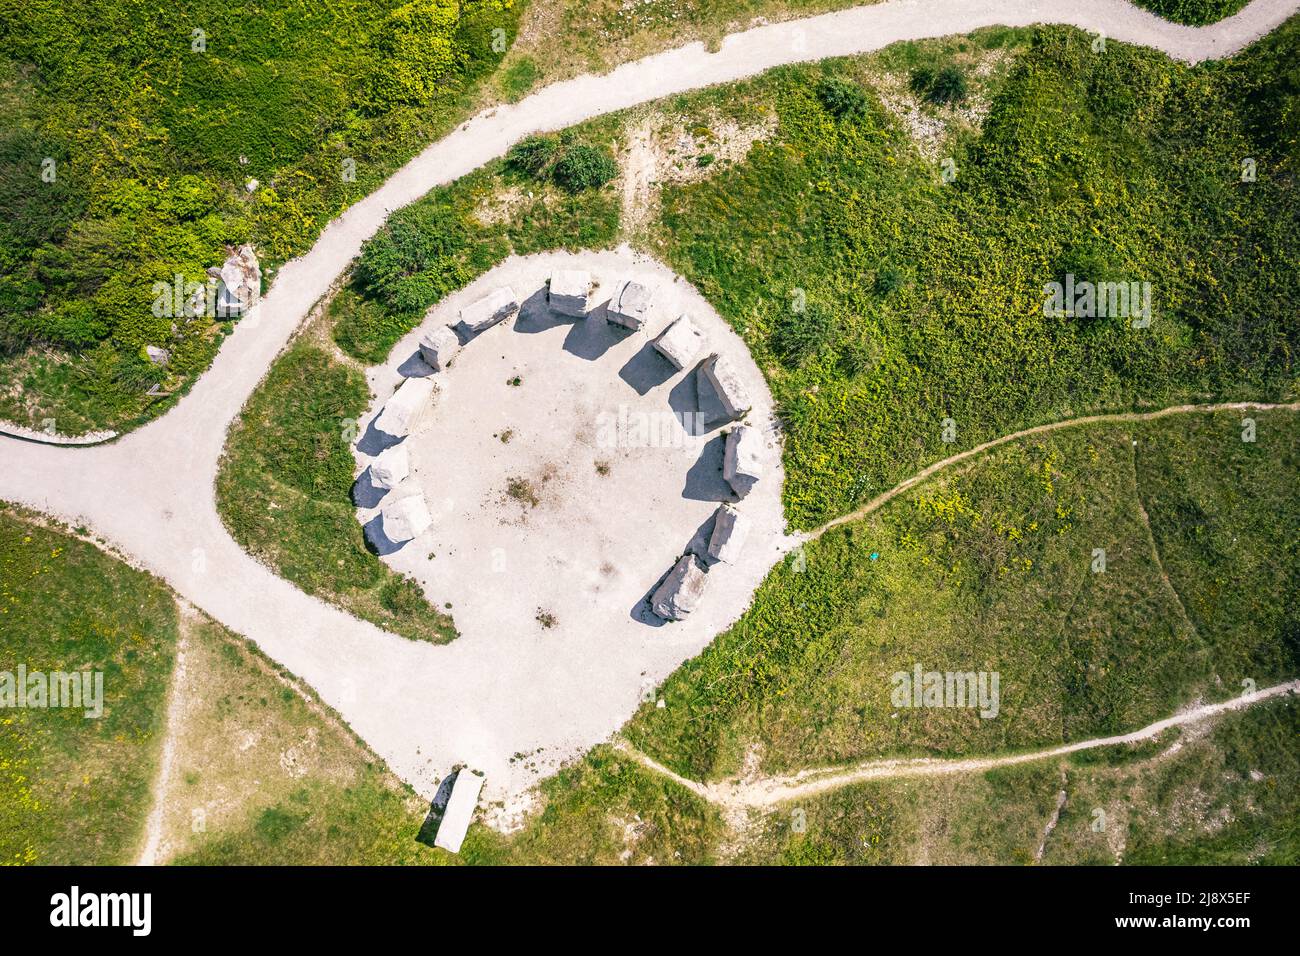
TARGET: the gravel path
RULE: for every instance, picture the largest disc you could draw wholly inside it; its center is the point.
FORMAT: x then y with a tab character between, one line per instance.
150	494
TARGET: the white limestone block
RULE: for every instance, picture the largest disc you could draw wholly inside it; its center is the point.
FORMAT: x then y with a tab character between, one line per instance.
405	518
730	528
460	811
742	459
403	412
390	467
681	591
439	346
680	342
718	371
630	305
568	292
497	306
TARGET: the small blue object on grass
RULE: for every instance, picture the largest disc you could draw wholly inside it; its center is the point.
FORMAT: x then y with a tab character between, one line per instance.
874	555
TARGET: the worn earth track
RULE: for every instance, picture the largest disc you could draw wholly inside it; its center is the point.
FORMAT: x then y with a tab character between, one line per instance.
150	494
737	794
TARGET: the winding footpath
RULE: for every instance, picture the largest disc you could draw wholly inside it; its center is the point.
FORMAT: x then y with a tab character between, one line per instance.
738	794
150	494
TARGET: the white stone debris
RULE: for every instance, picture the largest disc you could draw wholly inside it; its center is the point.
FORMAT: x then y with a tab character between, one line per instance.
405	518
680	342
439	346
157	356
741	460
390	467
240	282
718	372
403	412
730	528
568	291
460	811
497	306
630	305
681	591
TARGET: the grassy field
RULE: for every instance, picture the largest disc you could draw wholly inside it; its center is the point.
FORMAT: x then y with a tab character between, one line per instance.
1226	797
888	289
155	121
263	773
75	789
991	567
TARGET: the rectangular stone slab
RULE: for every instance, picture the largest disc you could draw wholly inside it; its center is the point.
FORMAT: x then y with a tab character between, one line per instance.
680	342
402	413
460	811
497	306
730	528
630	305
568	291
438	347
741	459
681	591
725	381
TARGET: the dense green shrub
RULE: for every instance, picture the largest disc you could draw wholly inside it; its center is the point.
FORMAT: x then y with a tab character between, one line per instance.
1194	12
534	156
583	166
798	335
415	48
942	87
842	98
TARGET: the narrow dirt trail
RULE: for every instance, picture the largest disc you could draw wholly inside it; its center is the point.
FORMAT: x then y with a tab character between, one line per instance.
734	796
931	470
151	854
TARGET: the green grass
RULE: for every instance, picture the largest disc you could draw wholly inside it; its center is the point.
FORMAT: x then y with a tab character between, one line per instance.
154	140
1122	166
75	789
1228	798
988	567
284	491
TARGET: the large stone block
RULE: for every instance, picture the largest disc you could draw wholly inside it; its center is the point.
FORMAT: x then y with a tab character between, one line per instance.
402	413
680	342
439	346
681	591
730	528
390	467
742	459
630	305
719	374
497	306
459	813
568	292
240	282
405	519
